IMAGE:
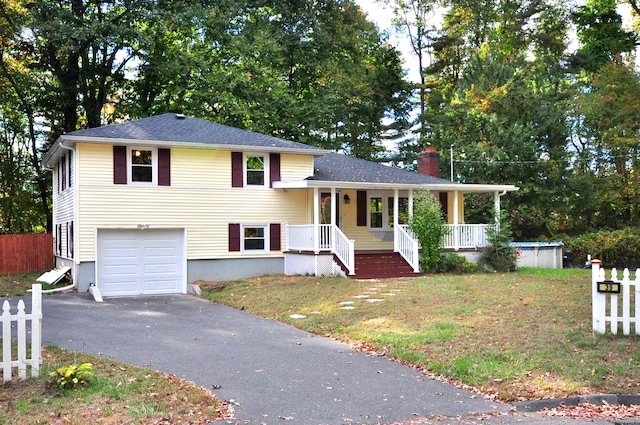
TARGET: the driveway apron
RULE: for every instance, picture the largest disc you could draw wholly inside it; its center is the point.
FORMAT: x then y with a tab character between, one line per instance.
271	372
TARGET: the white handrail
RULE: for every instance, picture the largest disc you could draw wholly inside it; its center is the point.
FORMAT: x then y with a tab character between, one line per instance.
344	249
408	247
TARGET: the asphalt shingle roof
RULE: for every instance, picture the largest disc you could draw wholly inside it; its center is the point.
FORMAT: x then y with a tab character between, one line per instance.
341	168
172	127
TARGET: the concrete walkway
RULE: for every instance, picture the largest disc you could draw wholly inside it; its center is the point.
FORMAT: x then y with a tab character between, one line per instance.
271	372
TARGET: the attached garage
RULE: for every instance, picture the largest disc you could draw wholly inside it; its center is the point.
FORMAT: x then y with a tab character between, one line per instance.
141	262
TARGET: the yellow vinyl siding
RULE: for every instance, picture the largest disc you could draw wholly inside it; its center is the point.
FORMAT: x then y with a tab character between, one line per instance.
95	163
191	167
199	199
295	167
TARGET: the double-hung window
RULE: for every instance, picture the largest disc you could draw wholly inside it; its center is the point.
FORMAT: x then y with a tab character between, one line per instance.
143	165
381	211
254	238
255	170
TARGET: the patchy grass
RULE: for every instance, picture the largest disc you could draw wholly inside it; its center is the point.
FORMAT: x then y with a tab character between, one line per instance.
118	394
16	285
519	335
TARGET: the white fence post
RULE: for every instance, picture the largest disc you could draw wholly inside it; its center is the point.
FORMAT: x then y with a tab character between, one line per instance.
21	332
36	329
598	300
6	341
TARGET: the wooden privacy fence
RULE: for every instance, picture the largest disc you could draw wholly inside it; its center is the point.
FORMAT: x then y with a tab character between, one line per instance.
26	253
20	319
615	300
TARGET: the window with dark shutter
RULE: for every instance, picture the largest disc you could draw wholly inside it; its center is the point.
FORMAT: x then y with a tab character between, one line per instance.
119	165
274	168
234	237
164	167
274	237
237	173
361	214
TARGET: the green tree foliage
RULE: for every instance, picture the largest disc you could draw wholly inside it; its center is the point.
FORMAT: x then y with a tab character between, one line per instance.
507	124
428	225
609	149
24	186
602	37
314	72
615	248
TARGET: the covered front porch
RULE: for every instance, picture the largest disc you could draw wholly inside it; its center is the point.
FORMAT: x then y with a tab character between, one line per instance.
349	223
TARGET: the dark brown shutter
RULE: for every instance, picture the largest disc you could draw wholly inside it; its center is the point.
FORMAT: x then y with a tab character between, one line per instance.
70	169
274	168
68	252
237	178
119	165
361	208
164	167
234	237
274	237
71	238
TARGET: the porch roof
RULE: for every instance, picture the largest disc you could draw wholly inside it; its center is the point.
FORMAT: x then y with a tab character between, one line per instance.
342	171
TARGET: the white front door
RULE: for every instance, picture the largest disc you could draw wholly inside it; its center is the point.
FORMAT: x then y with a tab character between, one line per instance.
141	262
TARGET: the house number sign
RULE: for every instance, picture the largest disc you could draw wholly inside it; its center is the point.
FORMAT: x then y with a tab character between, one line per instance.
608	287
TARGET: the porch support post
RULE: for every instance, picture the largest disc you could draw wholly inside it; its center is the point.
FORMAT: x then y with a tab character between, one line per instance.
456	222
334	220
496	207
410	203
396	202
316	220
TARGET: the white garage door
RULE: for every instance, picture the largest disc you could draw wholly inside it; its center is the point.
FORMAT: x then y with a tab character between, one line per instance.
137	262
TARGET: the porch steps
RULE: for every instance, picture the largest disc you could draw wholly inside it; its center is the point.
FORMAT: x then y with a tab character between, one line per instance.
381	265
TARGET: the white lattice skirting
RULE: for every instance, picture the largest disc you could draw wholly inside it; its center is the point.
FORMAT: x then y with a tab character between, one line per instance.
311	264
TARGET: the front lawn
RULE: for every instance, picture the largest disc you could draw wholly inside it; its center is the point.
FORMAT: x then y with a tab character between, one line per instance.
119	393
520	335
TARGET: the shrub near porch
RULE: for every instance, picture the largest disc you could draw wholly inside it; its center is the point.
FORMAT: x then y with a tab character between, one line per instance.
519	335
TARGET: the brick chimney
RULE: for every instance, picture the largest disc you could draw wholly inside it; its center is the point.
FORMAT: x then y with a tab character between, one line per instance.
429	162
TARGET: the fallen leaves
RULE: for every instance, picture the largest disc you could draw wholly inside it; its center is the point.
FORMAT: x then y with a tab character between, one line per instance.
592	411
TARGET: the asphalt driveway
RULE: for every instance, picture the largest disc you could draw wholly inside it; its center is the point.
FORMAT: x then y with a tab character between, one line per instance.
272	372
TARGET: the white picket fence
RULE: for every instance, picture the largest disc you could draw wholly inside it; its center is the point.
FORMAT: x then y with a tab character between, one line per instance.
606	294
20	319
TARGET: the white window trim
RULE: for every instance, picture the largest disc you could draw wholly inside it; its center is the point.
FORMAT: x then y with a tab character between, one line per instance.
267	176
267	239
154	165
385	208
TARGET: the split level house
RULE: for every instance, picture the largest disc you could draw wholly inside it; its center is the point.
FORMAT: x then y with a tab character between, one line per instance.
149	206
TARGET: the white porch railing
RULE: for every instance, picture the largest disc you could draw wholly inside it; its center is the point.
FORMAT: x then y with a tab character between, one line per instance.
330	238
463	236
408	246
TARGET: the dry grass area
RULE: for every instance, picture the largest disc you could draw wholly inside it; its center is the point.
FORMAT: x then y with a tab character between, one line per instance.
118	394
522	335
17	284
